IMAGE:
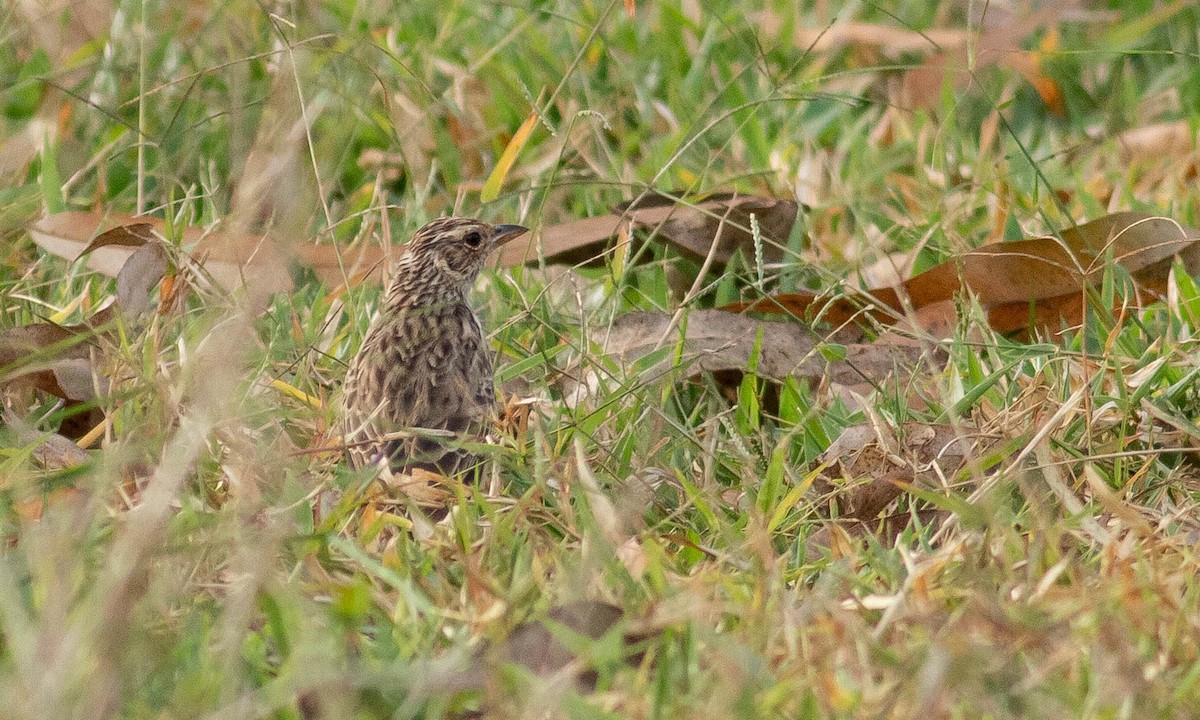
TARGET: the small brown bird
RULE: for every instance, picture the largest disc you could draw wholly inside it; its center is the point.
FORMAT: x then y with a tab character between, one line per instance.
425	364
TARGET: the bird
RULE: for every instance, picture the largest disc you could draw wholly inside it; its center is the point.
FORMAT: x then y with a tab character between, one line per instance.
424	364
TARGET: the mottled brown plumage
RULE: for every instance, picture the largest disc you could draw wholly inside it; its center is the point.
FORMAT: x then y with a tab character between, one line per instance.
425	363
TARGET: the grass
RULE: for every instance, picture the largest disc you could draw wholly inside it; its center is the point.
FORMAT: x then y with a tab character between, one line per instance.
205	563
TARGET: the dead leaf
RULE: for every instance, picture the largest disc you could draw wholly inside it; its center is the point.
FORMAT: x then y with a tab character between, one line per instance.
1176	139
75	378
142	272
728	221
231	259
716	341
885	37
52	451
58	360
134	235
55	360
549	646
690	227
998	41
30	354
1024	285
871	465
994	39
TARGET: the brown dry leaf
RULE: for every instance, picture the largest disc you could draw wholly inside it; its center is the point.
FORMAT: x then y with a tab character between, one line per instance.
948	48
717	341
58	360
55	360
1025	284
692	228
885	37
135	235
52	451
35	355
539	646
727	222
997	42
142	272
232	259
879	464
1154	142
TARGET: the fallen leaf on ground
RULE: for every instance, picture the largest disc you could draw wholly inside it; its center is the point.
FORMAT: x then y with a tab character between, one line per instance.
232	259
52	451
691	227
949	51
716	341
558	642
34	356
1023	285
896	40
143	271
1152	143
872	464
55	360
58	360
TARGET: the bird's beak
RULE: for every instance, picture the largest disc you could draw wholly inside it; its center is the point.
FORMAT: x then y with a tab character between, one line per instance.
505	233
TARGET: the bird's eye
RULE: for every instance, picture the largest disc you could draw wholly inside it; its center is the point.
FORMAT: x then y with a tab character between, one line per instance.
473	239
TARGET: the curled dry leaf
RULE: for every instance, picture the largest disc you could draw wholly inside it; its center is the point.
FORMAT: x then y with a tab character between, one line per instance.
691	227
1023	285
144	270
30	354
717	341
52	451
232	259
55	360
885	37
947	52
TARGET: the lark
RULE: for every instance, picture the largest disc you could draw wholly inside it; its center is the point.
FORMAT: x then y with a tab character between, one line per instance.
425	365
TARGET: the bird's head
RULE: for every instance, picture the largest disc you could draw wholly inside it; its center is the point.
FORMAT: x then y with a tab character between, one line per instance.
445	256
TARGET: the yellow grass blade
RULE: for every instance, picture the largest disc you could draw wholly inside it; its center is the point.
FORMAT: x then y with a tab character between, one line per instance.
491	188
59	317
295	392
92	435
